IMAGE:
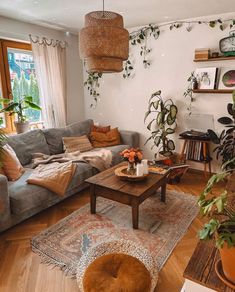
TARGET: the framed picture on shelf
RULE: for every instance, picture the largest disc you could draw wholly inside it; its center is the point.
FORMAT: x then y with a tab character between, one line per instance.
206	77
227	78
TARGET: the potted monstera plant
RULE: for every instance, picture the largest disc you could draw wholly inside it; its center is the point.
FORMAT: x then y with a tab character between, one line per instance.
161	118
220	211
18	107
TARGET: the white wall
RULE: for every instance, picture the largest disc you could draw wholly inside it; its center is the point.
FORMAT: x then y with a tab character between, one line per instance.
17	30
123	103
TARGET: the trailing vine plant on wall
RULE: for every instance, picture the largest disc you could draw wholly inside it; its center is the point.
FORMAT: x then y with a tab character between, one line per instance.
141	36
92	84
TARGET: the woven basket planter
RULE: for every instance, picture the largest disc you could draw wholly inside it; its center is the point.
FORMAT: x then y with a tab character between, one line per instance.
104	43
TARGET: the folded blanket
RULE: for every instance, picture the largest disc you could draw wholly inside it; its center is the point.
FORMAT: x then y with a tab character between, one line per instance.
56	172
101	159
55	177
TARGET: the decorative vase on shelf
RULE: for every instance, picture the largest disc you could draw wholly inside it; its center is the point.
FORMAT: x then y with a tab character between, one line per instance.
131	168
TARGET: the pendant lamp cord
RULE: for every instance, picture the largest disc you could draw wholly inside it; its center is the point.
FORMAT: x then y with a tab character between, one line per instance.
103	8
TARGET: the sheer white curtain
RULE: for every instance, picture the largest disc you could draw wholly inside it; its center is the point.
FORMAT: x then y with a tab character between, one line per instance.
50	65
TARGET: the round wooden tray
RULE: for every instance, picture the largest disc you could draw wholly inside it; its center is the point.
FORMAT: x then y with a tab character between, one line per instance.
122	173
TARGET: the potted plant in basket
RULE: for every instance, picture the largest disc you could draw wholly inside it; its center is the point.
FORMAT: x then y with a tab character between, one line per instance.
163	115
18	107
220	211
132	156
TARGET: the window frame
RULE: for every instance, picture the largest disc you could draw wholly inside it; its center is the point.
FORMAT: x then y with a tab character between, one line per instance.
5	74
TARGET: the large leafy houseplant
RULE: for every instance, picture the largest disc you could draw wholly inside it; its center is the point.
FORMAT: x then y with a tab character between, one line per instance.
220	211
226	140
18	107
162	124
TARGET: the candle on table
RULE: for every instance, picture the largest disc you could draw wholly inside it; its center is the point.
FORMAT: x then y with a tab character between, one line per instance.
139	169
144	162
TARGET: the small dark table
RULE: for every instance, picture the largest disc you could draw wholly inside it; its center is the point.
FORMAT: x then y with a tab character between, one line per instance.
201	267
107	185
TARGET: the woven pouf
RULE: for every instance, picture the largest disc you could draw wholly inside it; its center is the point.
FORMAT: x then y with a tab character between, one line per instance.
119	265
116	272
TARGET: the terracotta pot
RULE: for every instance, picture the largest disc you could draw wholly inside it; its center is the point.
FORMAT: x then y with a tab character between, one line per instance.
228	262
21	127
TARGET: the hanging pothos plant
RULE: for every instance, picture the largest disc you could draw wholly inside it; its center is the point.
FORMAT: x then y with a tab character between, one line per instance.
162	124
192	84
92	84
141	35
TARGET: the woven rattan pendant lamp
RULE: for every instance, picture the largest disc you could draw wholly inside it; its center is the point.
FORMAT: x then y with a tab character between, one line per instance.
104	42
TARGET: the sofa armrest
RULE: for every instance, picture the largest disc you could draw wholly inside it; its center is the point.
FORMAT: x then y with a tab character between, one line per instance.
130	138
4	201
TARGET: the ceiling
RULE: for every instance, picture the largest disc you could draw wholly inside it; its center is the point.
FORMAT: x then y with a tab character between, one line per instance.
68	14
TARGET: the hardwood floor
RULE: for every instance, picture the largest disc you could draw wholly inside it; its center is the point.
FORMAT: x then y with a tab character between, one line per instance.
21	270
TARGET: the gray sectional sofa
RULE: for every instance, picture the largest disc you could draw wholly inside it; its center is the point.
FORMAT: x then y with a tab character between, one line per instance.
19	200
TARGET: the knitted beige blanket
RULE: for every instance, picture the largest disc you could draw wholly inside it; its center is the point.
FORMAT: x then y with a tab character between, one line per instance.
56	172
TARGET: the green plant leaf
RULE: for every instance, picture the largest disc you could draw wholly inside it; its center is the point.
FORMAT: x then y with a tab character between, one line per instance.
150	124
170	145
12	106
170	131
28	98
146	115
5	100
157	140
33	105
169	120
212	23
156	104
160	118
173	111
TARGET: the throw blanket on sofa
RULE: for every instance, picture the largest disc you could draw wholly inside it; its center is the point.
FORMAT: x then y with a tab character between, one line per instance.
101	159
56	172
55	177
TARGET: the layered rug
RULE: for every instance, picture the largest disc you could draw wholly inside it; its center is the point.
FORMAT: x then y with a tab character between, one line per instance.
161	226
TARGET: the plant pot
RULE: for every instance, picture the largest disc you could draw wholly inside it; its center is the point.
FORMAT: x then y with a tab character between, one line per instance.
228	262
174	158
21	127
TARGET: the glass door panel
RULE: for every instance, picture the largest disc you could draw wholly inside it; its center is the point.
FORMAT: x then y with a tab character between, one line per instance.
23	80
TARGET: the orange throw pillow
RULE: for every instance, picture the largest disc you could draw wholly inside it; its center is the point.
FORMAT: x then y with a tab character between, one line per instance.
111	138
99	129
11	164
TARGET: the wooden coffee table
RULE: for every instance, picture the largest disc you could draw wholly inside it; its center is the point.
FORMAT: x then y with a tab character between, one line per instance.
107	185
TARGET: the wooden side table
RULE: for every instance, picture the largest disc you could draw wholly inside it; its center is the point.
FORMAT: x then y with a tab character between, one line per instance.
203	150
200	275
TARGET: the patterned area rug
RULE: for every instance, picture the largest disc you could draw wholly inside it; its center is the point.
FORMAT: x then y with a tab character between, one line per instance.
161	226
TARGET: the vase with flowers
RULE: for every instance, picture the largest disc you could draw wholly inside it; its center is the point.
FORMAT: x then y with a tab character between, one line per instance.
132	156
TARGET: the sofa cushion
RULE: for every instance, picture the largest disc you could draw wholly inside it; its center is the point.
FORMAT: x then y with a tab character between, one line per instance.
110	138
11	164
28	143
54	135
24	197
74	144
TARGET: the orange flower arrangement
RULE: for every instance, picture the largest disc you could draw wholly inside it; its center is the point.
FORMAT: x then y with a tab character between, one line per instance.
132	155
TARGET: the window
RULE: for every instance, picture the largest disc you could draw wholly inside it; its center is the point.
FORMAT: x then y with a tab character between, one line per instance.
17	78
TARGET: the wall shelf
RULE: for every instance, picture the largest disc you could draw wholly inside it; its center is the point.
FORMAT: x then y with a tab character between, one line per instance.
212	91
221	58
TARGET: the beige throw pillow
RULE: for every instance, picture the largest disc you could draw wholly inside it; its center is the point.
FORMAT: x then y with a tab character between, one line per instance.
73	144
